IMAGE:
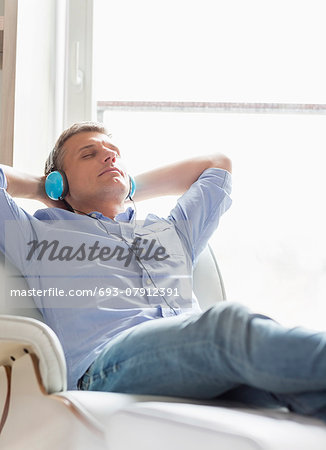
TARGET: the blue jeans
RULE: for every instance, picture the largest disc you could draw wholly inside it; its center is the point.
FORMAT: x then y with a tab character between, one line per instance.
225	352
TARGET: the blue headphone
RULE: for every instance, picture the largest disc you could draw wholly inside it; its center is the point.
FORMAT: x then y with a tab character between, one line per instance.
57	187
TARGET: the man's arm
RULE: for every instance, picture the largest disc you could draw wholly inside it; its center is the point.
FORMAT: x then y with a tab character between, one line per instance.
175	179
20	184
25	185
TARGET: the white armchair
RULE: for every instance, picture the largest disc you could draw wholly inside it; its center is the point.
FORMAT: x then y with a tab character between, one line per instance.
37	412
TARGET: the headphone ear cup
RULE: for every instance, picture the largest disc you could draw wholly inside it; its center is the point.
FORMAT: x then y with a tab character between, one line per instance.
132	184
56	185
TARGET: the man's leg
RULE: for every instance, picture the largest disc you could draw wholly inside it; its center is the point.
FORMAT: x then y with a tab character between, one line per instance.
206	355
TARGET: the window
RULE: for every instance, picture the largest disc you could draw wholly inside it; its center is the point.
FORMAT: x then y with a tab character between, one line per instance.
179	78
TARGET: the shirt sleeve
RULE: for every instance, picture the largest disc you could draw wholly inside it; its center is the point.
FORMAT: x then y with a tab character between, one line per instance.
197	213
16	227
3	179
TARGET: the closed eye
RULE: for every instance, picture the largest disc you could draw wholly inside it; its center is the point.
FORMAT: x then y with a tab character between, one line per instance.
88	155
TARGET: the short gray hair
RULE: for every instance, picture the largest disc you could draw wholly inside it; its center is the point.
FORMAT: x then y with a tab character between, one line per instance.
55	158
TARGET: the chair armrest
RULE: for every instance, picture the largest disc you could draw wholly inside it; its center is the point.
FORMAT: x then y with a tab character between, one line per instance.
21	335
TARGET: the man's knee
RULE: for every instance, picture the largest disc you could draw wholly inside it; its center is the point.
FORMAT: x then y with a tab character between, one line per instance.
232	327
230	311
228	320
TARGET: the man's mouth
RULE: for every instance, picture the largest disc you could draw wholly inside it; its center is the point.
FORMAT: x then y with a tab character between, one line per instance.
110	169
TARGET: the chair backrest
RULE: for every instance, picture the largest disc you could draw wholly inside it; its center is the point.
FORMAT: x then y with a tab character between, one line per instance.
11	284
208	287
207	280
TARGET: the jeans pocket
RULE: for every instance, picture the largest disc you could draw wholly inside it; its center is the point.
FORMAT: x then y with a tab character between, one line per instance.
85	380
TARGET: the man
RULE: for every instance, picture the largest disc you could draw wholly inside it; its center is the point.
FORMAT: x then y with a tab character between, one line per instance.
141	330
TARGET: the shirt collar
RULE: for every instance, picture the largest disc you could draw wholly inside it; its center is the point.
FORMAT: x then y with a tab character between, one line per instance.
125	216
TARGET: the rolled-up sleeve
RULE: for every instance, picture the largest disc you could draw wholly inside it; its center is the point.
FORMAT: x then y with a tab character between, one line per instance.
197	213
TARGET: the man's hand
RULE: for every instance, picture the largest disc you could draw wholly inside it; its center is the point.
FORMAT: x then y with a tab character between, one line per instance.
176	178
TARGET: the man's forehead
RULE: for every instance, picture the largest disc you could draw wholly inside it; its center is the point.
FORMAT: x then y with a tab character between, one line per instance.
86	138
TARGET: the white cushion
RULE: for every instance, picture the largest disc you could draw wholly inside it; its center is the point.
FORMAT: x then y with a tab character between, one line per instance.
102	405
173	423
176	426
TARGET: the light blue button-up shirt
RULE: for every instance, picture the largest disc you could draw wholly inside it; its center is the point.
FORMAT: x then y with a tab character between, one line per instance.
87	281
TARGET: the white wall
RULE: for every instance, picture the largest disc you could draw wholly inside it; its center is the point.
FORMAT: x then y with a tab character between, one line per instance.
35	84
1	14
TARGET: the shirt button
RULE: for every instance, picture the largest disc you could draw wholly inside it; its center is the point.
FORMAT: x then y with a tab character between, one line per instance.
148	281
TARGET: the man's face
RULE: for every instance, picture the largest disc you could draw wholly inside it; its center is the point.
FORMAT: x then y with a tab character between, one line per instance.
94	168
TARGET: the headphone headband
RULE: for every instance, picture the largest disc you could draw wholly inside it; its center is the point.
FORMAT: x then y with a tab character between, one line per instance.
57	187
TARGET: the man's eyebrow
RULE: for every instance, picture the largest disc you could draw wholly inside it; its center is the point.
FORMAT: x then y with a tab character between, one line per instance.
114	147
85	147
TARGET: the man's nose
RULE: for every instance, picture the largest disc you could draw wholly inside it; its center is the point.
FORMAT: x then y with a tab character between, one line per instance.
108	155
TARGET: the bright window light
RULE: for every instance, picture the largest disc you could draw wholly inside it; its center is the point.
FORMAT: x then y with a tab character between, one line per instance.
210	50
270	245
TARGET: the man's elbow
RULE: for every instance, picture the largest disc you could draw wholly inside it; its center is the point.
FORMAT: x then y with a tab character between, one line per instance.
221	161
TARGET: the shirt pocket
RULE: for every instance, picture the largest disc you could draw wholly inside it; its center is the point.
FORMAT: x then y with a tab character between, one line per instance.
164	235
